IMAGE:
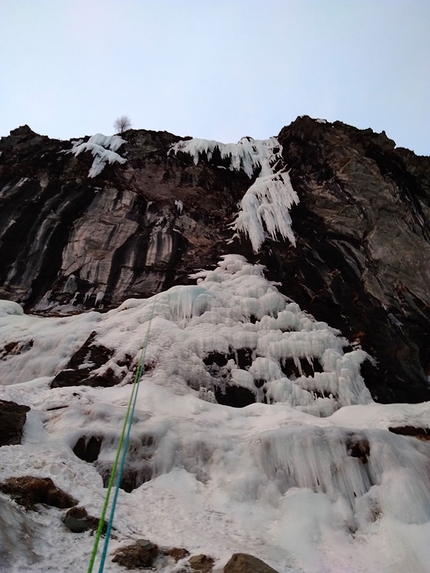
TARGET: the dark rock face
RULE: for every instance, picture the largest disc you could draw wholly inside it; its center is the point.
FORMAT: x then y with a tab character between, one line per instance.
29	490
234	396
12	419
361	262
68	241
67	237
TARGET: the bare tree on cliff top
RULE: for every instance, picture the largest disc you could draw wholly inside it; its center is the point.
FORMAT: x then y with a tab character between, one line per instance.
122	124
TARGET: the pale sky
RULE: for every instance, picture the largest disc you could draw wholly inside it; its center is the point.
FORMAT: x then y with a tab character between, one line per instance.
216	69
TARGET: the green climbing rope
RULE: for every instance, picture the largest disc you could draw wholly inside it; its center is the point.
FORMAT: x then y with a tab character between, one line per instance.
115	479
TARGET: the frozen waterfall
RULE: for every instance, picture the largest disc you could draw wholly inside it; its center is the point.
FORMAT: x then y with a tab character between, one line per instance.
303	472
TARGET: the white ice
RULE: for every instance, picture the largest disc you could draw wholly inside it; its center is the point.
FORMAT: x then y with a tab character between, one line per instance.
103	148
308	478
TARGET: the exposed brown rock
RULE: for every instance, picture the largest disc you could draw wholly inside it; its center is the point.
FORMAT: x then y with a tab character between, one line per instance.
13	348
12	419
178	553
29	491
244	563
121	233
420	433
201	563
139	555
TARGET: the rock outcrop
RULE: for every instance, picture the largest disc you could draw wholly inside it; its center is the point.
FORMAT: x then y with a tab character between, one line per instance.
70	241
12	419
363	246
29	491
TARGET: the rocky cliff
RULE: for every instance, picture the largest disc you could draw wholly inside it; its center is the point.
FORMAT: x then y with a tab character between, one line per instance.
89	223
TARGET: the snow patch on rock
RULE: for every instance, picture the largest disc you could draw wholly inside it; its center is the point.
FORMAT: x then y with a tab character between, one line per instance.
103	148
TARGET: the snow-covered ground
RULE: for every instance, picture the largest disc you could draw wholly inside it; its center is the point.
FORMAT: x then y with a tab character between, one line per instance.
307	478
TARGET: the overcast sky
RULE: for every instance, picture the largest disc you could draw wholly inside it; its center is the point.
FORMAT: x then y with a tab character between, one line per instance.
217	69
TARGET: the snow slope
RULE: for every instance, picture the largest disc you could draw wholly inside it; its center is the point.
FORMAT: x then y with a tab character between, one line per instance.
307	478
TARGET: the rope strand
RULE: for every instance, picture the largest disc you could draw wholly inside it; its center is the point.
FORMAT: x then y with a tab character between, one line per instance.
122	447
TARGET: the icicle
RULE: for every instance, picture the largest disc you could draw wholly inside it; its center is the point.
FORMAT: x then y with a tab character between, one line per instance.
265	207
103	148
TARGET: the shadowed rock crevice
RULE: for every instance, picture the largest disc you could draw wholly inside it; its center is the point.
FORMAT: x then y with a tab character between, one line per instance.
12	419
229	393
88	449
139	466
234	396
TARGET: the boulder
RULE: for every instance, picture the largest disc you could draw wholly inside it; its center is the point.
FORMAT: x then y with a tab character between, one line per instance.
139	555
78	520
201	563
244	563
95	356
